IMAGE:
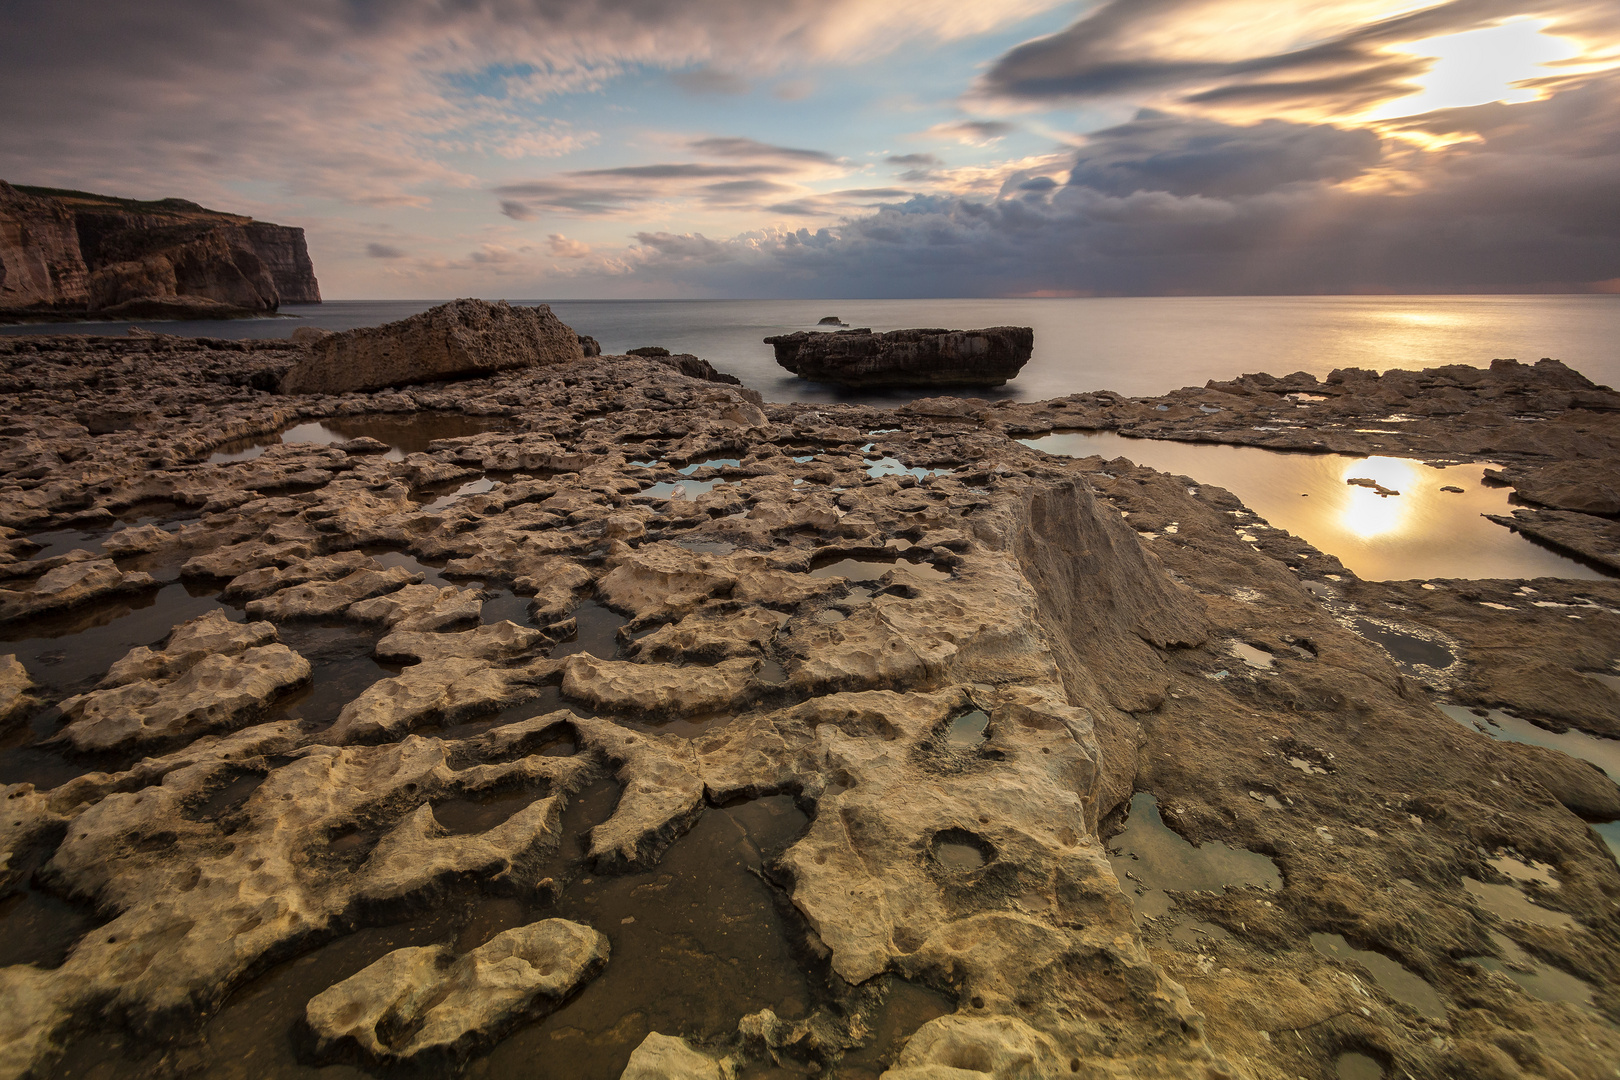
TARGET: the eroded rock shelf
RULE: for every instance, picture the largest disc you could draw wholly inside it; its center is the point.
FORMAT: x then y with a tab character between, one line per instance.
881	748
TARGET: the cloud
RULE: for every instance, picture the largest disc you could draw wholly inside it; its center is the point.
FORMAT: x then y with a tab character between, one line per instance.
493	254
707	80
564	248
383	251
973	132
1167	204
380	104
914	160
517	211
733	147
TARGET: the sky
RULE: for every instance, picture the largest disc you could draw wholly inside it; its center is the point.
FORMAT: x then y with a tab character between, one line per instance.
852	148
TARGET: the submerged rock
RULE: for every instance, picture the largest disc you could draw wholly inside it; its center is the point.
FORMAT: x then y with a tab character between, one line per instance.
452	341
421	1001
907	357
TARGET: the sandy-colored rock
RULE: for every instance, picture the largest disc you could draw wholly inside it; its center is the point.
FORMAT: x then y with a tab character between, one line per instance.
434	690
456	340
210	634
324	599
710	634
665	1057
494	641
420	607
15	685
269	579
663	581
659	689
907	357
212	693
69	586
450	1004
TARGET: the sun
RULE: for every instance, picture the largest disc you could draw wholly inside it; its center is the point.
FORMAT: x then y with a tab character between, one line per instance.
1478	67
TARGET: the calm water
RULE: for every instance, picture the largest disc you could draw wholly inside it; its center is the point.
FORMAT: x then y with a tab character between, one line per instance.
1134	345
1421	533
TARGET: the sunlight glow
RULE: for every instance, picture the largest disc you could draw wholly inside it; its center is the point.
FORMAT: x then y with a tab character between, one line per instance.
1478	67
1367	513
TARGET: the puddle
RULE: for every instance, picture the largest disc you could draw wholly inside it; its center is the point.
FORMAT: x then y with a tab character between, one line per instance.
697	943
1604	753
960	851
685	489
1405	648
771	673
1396	981
1354	1066
341	669
873	567
889	466
907	1008
480	813
1507	902
431	575
56	542
1532	872
597	632
506	606
712	463
471	487
708	547
1149	858
1426	533
405	433
968	730
1539	980
1258	659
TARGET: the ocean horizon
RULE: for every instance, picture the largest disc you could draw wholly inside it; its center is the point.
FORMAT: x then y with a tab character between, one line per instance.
1131	345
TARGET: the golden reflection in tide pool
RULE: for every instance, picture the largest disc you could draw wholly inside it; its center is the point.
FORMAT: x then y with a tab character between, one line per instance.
1367	513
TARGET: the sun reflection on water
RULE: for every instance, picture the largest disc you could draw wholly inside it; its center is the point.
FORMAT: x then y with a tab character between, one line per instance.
1366	513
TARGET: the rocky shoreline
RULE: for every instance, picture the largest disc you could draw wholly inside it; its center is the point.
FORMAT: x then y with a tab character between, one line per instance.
907	674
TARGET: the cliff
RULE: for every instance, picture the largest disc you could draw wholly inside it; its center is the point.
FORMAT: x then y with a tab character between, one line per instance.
70	254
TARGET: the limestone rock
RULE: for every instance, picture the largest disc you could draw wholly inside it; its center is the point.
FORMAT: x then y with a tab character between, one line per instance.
441	689
1588	487
658	689
449	1004
494	641
211	634
266	580
455	340
861	358
40	262
665	1057
663	580
324	599
14	686
420	607
213	693
69	586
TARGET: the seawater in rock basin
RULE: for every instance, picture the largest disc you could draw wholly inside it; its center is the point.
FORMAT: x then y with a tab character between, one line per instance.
1421	533
405	433
1538	979
1396	981
597	632
698	941
872	568
1357	1066
1149	854
682	489
1604	753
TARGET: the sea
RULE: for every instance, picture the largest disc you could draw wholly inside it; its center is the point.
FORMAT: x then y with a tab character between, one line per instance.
1130	345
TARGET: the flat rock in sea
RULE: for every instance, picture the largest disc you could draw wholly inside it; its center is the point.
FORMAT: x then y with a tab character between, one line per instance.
928	357
460	339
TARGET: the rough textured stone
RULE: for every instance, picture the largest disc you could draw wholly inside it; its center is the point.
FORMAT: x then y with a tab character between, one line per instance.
450	1004
987	357
456	340
15	684
69	586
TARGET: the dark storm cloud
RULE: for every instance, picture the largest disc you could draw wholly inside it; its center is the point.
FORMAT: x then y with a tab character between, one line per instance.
1167	204
1158	152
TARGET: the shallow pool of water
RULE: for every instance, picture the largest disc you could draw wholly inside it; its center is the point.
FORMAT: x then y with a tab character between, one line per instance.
1538	979
1604	753
405	433
1421	533
597	632
1149	858
1396	980
874	567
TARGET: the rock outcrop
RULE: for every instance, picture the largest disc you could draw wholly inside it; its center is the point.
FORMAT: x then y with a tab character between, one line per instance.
70	254
942	358
457	340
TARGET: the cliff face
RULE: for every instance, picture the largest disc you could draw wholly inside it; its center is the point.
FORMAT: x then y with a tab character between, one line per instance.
72	253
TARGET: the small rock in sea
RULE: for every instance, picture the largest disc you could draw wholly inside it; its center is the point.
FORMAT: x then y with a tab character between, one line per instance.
1362	481
1453	489
831	320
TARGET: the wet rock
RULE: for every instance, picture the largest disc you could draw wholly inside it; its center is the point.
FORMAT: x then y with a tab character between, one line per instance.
710	635
214	692
663	581
262	582
427	1001
1587	487
70	586
456	340
907	357
420	607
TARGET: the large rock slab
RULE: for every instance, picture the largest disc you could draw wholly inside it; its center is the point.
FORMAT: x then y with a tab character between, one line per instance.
929	357
456	340
69	586
450	1004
